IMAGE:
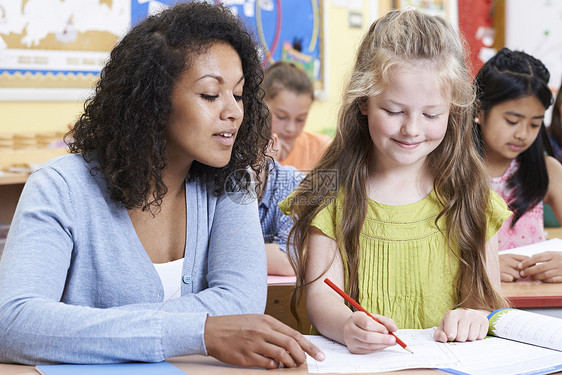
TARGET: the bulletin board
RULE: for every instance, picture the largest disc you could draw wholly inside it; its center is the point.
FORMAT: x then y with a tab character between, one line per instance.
54	50
537	30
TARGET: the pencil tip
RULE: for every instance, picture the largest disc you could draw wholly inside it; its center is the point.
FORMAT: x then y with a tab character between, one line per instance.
408	349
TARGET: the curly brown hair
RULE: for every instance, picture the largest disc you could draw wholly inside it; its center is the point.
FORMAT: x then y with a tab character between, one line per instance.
124	124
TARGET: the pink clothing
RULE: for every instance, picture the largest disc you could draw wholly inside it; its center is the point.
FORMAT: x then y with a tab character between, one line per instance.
529	228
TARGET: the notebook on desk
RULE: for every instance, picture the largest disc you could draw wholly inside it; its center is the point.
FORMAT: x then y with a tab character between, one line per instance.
160	368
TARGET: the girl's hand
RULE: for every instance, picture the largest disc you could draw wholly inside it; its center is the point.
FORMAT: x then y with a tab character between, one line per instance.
362	335
545	266
462	325
510	267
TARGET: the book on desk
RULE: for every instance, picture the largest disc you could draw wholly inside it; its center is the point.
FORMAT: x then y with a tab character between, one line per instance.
520	342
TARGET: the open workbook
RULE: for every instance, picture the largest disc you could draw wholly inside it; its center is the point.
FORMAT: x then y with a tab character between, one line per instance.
520	342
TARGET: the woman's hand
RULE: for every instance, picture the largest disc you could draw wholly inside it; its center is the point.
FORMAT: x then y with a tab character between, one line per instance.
256	341
510	267
363	335
546	267
462	325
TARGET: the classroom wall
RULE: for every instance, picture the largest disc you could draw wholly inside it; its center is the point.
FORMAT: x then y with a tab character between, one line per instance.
342	41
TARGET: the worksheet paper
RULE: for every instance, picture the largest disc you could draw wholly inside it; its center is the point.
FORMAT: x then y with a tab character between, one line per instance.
427	354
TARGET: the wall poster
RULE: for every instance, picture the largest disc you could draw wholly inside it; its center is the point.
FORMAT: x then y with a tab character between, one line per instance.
55	49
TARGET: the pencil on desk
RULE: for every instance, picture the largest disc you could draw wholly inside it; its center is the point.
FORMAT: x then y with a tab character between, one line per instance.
358	307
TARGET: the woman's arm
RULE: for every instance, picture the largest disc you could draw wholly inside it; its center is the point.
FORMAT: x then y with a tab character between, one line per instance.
326	309
36	327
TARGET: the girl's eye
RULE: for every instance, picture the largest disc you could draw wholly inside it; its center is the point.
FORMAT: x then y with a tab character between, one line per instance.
238	98
536	125
391	113
209	97
511	122
431	117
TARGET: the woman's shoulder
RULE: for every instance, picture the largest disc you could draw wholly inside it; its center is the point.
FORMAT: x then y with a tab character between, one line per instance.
71	170
64	165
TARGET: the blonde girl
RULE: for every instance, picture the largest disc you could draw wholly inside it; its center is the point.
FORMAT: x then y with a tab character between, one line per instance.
398	212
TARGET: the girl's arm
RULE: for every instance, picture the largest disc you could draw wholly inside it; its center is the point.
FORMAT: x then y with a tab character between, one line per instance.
277	261
470	322
327	310
547	266
553	195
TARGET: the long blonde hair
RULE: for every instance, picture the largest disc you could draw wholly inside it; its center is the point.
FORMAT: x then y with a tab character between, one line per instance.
398	39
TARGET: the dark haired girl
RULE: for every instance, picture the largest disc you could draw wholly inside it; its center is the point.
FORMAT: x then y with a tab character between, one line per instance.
512	97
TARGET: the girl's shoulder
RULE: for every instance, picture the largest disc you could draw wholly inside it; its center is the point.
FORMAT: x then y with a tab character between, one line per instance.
554	170
552	165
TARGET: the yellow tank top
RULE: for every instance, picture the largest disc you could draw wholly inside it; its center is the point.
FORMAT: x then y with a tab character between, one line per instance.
406	271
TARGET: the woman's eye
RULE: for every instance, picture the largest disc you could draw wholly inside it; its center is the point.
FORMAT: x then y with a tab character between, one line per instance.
238	98
209	97
511	122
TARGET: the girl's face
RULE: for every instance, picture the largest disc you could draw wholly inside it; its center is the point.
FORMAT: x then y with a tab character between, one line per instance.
407	120
509	128
207	109
289	112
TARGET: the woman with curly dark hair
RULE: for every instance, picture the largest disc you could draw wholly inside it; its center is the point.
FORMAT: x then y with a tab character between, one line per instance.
144	243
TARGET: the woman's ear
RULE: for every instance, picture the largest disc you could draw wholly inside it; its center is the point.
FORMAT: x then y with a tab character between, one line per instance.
362	103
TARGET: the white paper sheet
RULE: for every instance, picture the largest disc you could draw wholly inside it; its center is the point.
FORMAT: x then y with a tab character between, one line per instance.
427	354
554	244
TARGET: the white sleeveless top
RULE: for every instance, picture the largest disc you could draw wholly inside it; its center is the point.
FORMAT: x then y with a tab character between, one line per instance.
170	274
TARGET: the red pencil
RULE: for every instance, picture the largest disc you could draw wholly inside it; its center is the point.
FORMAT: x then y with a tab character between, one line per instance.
358	307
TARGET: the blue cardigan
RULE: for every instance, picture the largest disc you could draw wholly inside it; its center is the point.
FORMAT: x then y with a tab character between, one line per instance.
76	285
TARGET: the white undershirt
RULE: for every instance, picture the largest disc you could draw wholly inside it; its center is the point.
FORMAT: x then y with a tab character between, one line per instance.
170	274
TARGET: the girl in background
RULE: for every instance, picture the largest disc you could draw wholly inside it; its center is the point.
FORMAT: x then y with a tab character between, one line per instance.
289	96
512	97
406	224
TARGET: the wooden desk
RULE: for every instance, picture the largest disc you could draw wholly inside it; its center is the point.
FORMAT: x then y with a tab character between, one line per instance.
525	294
535	294
553	232
279	305
201	365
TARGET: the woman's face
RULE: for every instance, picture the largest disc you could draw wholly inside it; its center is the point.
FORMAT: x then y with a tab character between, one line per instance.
511	127
207	109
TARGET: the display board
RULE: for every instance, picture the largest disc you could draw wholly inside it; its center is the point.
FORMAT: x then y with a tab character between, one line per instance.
55	49
537	29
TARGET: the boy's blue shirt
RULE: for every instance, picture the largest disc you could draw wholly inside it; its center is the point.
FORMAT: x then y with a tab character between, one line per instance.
281	181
